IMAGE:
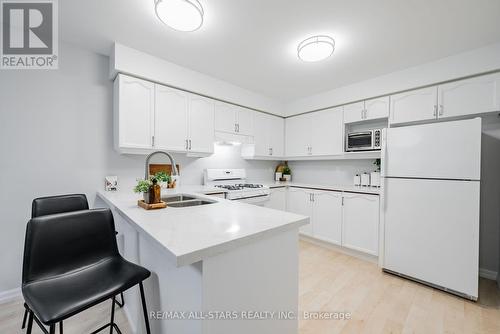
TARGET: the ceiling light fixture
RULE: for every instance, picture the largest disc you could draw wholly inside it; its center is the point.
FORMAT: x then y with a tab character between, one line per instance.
316	48
181	15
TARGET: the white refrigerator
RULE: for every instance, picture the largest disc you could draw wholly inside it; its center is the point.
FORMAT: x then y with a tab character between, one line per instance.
431	180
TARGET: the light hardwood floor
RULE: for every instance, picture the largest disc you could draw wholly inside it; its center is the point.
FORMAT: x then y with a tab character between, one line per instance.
334	282
383	303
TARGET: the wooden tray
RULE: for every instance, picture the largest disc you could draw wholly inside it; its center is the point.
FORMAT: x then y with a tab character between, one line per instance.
146	206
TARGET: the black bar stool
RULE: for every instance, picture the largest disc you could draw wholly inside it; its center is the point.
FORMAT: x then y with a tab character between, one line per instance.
71	263
49	205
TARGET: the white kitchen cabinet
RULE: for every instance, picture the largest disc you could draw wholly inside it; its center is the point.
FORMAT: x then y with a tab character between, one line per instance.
277	136
171	119
277	199
201	125
244	121
360	223
327	216
377	108
415	105
225	117
233	119
354	112
327	132
470	96
298	135
268	135
149	116
315	134
133	113
299	201
372	109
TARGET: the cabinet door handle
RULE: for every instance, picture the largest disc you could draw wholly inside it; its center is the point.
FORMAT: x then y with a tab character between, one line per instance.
271	151
187	145
435	110
235	127
441	111
153	141
342	201
190	144
238	127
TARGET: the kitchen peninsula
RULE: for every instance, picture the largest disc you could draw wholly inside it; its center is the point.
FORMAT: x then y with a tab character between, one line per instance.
208	260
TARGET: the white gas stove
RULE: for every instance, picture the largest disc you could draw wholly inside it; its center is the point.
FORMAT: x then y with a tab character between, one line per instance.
233	181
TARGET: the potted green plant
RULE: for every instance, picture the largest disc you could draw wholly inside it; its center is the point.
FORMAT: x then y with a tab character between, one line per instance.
143	187
163	179
287	173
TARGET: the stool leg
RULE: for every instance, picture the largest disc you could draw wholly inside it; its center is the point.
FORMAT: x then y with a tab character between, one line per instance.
24	318
144	309
112	315
52	329
60	327
30	323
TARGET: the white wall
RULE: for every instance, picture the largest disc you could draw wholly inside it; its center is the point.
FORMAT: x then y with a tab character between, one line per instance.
489	236
56	138
464	64
337	172
138	63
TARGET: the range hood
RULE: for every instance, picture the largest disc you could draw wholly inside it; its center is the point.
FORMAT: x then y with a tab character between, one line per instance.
225	138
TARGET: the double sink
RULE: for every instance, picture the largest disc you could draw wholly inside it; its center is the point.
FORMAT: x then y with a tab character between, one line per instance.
183	200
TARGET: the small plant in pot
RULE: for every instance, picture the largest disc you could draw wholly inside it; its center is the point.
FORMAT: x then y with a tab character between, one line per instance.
143	187
287	173
163	179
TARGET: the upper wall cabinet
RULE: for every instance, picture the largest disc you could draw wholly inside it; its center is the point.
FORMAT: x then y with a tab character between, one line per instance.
415	105
201	126
171	119
327	132
134	104
377	108
354	112
233	119
455	99
470	96
149	117
268	135
315	134
367	110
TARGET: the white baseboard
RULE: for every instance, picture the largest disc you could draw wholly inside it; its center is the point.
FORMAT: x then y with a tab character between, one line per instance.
9	295
488	274
343	250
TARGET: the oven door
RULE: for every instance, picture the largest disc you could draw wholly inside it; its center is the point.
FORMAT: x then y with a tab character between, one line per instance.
359	141
256	200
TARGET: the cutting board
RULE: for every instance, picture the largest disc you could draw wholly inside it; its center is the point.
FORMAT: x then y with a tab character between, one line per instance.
167	168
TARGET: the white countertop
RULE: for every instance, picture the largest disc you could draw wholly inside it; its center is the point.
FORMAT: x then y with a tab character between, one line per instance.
346	188
191	234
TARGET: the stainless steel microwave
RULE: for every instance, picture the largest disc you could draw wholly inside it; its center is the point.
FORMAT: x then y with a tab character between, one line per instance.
363	141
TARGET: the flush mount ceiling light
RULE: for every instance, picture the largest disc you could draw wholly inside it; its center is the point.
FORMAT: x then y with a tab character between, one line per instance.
181	15
316	48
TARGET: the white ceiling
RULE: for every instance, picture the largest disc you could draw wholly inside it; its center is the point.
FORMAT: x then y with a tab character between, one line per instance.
252	43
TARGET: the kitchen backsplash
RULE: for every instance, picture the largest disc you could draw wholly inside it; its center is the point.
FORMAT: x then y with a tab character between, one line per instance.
330	172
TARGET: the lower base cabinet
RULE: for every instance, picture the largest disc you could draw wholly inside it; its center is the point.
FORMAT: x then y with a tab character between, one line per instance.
360	222
299	202
277	199
327	216
349	220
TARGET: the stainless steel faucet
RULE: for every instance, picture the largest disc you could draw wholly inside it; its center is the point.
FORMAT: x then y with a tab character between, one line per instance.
172	162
